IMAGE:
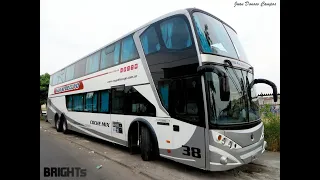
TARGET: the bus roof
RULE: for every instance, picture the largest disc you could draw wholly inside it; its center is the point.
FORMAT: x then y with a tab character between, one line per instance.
181	11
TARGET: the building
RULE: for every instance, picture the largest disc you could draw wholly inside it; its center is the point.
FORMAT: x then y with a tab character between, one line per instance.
264	99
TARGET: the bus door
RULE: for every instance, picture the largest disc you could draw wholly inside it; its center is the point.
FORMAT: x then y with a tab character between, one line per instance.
183	99
117	110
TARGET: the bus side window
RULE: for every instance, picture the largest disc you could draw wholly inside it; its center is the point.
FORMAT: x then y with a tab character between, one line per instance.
117	106
104	101
128	49
92	64
78	102
163	87
182	98
110	56
69	102
137	104
149	40
175	34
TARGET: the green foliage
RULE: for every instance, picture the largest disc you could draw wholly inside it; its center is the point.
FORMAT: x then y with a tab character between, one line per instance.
271	128
44	86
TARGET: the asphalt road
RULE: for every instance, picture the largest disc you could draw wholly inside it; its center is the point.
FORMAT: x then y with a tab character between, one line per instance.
58	152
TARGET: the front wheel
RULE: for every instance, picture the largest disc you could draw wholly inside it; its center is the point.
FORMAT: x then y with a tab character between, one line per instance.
147	146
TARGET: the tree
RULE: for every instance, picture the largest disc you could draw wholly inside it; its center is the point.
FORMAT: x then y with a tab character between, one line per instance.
44	86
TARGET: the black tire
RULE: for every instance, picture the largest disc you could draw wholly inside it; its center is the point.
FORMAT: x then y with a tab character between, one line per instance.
133	148
147	148
65	129
58	124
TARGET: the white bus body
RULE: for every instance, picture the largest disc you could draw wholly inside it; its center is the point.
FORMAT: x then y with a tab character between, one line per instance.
162	89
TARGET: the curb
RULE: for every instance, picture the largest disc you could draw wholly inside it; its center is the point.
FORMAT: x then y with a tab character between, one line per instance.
146	174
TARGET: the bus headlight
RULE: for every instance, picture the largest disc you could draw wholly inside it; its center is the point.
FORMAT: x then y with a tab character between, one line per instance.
221	139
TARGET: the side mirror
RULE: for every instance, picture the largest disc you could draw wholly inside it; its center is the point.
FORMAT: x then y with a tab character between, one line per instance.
223	80
257	81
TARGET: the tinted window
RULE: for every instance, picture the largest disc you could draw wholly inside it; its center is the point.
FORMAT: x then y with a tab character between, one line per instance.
88	102
54	79
175	33
78	102
237	44
95	102
110	56
69	102
136	104
213	36
164	93
128	50
70	73
117	100
61	76
93	63
183	98
104	101
80	68
150	41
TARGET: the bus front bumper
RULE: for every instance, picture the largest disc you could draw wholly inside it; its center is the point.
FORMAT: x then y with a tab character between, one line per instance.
226	160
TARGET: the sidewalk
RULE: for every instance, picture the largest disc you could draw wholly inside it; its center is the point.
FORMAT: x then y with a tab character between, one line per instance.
263	168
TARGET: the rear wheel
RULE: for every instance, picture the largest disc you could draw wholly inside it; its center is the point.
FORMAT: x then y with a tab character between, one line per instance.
65	126
147	146
58	124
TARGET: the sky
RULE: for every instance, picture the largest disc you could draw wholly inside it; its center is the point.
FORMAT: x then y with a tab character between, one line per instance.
72	29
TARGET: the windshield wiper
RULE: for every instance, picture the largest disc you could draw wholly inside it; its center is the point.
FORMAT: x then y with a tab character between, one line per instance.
243	91
241	83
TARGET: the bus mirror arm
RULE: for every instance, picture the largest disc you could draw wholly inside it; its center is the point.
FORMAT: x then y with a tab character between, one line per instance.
223	80
264	81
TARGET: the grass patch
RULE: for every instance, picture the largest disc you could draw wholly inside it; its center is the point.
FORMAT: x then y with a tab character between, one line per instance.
271	128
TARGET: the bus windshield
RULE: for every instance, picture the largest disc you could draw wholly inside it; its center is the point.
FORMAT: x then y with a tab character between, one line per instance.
239	109
217	38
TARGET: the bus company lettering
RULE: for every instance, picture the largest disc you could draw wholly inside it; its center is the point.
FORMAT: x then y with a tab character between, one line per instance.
129	68
99	123
69	87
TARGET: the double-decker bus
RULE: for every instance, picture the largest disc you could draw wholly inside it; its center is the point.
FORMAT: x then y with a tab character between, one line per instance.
179	87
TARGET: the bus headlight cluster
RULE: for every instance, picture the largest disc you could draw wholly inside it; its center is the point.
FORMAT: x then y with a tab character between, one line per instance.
226	141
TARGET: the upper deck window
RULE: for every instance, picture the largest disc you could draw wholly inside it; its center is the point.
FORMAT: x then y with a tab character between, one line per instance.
150	41
237	44
70	72
110	56
213	37
175	33
80	68
93	63
128	49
